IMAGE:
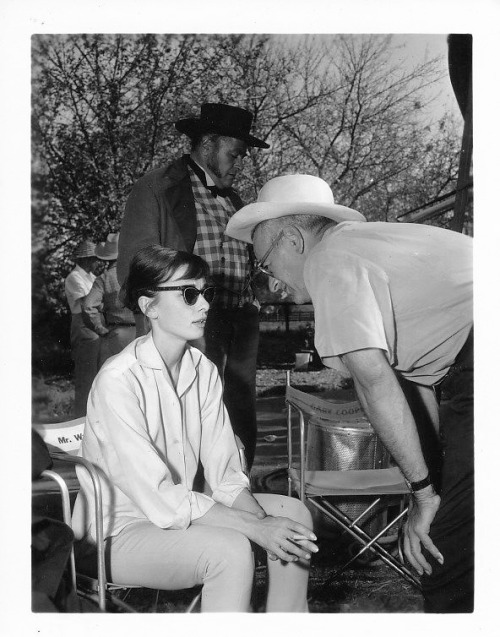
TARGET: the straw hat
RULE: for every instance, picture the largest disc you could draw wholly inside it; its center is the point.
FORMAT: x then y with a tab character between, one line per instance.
84	249
289	195
108	250
222	119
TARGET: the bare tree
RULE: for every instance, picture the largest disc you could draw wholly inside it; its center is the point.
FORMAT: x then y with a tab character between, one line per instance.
333	106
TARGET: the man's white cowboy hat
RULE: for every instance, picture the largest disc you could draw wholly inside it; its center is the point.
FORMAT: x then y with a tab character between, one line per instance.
108	250
289	195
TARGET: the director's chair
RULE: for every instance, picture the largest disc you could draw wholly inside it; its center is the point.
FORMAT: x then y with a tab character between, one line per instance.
63	441
341	462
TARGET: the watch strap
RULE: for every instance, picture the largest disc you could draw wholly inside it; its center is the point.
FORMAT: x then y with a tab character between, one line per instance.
420	484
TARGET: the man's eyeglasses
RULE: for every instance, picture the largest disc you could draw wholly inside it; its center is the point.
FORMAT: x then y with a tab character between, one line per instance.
190	293
260	265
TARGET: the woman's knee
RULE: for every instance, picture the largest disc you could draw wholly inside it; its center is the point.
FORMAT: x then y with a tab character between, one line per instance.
287	507
231	550
299	512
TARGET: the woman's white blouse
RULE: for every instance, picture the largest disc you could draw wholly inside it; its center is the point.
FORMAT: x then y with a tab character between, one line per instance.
148	439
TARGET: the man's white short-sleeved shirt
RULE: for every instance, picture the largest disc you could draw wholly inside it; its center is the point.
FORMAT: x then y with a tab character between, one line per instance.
77	285
402	288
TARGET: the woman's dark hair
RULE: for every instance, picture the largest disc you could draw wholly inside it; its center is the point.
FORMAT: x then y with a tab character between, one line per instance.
154	265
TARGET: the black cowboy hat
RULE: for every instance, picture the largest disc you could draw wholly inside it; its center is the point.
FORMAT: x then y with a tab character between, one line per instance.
222	119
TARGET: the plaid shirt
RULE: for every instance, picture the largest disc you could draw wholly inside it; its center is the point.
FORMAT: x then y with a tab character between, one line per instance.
228	258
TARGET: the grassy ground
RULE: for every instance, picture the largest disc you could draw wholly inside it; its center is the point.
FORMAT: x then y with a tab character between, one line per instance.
53	395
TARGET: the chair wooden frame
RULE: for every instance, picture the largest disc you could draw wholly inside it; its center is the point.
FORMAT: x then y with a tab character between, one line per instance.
319	488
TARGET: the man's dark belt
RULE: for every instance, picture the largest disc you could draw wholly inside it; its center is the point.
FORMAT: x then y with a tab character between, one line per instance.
120	324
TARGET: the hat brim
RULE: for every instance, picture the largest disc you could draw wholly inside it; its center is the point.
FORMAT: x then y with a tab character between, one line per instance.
103	252
193	127
243	222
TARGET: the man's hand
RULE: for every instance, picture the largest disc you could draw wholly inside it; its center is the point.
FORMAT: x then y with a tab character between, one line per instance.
423	508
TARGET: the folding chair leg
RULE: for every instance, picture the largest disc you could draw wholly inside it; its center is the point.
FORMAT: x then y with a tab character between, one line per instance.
355	522
368	543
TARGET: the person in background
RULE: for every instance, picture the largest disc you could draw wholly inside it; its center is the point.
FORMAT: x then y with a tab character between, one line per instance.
155	413
186	205
391	301
102	310
84	341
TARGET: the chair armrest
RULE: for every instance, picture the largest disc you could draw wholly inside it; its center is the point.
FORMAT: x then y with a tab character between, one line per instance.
48	474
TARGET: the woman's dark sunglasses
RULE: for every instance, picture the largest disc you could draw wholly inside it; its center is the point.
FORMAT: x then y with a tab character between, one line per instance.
190	292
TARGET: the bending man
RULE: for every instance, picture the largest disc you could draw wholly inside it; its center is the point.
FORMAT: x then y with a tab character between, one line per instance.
390	300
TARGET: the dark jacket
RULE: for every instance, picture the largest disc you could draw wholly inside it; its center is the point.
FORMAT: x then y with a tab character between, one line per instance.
160	210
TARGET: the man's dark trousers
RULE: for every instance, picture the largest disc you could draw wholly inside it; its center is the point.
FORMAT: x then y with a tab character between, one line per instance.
450	588
231	342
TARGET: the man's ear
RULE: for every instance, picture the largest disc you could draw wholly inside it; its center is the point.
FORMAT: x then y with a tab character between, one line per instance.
147	307
294	235
206	145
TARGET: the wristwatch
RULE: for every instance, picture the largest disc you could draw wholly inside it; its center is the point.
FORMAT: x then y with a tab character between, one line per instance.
420	484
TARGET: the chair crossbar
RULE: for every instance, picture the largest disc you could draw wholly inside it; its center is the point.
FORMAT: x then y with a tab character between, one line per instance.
88	589
368	543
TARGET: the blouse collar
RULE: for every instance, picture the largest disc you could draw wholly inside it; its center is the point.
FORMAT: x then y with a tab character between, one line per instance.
149	356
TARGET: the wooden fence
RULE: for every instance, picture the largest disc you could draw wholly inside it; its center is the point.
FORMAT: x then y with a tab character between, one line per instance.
287	314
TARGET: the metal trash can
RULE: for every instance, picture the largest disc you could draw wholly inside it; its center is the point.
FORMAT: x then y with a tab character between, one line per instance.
302	360
338	446
343	446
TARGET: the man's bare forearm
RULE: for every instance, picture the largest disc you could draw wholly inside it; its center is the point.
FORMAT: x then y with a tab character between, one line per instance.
387	410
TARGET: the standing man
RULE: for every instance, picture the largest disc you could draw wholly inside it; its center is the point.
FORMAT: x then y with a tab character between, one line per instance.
186	206
102	310
390	300
84	342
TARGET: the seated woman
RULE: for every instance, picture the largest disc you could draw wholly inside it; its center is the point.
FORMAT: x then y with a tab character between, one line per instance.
154	413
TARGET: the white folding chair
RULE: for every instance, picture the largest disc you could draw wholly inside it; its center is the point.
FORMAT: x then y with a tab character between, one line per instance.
339	476
63	441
